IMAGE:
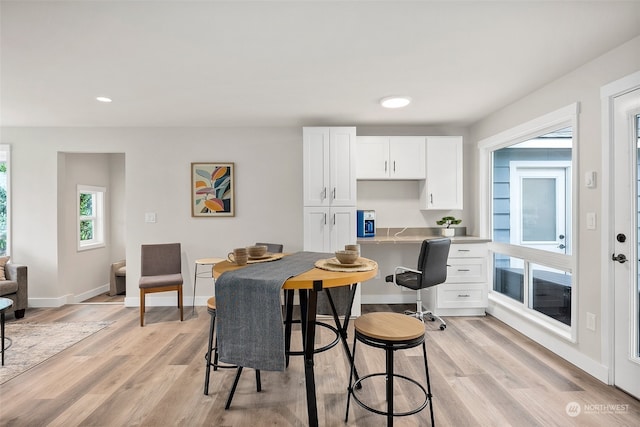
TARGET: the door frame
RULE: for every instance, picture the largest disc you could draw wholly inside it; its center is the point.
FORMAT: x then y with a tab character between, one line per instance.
607	94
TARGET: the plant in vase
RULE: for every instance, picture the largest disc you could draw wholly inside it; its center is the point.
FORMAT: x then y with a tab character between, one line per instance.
448	221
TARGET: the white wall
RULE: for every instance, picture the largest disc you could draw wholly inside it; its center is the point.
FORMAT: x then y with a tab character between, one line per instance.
268	190
583	86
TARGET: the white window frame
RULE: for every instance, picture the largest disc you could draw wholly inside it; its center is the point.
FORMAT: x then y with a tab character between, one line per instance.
5	149
561	118
98	219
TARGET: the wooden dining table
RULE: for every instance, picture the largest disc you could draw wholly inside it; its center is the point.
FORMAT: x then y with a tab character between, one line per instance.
309	284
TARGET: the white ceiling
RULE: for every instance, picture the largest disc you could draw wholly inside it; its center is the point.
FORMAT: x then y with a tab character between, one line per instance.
268	63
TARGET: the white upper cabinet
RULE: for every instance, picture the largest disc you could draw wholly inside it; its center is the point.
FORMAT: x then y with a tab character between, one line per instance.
390	157
329	166
443	187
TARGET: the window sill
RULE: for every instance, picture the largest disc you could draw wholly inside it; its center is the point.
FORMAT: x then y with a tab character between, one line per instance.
532	317
91	246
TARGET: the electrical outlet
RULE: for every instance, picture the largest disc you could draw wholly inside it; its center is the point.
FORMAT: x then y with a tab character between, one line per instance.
150	217
591	321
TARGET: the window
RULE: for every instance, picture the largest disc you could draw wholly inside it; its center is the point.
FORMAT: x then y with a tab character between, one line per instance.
90	217
4	199
529	198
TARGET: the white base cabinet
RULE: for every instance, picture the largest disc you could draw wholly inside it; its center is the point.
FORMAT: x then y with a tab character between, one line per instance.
465	291
328	229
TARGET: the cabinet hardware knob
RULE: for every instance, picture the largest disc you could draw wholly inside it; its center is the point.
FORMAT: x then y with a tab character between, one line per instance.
385	165
463	295
324	193
334	193
464	250
463	269
431	198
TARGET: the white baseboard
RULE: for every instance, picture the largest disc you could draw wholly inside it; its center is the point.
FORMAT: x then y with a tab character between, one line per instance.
91	293
51	302
389	299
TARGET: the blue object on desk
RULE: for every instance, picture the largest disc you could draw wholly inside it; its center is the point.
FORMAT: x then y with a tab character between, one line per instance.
366	221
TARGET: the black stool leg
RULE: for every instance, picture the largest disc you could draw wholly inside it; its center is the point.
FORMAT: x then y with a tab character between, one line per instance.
233	388
429	395
389	352
209	350
351	374
258	382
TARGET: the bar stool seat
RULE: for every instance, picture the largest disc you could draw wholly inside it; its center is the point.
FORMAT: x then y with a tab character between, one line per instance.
391	332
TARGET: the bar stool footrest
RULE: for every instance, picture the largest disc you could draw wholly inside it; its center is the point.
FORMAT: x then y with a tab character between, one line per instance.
319	349
357	384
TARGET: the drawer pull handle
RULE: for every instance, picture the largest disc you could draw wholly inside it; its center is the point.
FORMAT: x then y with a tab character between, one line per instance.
463	269
464	250
463	295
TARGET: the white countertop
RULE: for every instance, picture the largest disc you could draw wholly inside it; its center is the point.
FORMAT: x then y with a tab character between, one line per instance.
413	235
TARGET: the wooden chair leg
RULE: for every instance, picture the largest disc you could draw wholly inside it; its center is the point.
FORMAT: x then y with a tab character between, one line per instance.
180	302
141	307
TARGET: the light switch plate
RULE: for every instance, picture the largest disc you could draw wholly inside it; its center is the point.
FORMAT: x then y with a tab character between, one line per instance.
590	179
591	220
150	217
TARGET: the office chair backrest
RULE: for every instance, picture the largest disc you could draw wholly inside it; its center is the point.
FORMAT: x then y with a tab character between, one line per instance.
432	261
161	259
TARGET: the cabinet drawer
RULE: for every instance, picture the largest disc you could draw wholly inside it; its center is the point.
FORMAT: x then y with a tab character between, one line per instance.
466	270
462	296
468	250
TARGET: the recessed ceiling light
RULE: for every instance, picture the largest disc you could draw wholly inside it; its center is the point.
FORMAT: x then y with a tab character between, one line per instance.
395	101
103	99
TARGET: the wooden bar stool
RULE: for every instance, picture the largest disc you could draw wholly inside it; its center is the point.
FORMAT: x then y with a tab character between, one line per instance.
391	332
213	348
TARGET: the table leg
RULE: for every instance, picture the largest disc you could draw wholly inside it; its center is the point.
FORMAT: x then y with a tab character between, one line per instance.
309	329
342	327
2	334
195	278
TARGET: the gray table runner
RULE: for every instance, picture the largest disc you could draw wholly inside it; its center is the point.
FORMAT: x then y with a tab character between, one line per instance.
249	315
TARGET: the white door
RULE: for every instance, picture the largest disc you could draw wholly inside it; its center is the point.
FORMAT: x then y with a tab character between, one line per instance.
315	149
342	223
626	285
443	187
342	153
372	157
538	205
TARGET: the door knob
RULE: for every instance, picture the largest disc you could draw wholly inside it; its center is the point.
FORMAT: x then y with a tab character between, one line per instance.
620	258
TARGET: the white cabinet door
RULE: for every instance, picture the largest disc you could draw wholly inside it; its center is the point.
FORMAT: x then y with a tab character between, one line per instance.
329	166
342	175
342	227
407	157
443	186
316	229
372	157
315	166
329	229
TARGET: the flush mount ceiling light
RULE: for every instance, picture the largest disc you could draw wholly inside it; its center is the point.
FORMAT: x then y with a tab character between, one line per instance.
395	101
103	99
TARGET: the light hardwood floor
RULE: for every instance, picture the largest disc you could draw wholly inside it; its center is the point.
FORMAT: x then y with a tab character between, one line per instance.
483	373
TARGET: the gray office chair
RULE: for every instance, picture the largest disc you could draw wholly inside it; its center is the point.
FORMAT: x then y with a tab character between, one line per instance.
431	271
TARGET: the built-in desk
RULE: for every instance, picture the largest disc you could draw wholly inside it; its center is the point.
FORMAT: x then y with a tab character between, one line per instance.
463	294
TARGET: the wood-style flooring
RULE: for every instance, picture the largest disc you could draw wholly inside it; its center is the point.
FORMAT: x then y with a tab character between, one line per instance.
483	373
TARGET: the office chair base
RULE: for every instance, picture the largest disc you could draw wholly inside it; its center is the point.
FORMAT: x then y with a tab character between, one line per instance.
421	315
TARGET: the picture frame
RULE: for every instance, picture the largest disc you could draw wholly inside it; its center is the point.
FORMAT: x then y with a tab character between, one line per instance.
212	189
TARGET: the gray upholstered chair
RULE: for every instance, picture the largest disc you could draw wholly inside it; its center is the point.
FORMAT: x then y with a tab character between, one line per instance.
118	278
161	271
15	288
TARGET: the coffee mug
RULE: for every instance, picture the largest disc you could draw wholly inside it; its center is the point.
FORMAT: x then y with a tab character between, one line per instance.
239	256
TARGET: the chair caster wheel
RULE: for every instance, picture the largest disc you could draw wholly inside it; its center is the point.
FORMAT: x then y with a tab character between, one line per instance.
443	327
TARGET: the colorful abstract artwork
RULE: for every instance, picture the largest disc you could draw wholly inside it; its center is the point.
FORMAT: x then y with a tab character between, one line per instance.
212	189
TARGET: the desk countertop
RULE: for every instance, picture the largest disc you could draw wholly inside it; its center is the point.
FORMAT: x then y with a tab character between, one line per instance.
413	235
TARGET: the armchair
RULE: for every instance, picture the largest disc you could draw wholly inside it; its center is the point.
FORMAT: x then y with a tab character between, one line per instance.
15	288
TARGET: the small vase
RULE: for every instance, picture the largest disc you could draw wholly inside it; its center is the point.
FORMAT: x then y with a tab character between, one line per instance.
448	232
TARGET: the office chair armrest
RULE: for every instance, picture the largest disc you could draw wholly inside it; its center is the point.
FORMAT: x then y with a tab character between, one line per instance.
402	269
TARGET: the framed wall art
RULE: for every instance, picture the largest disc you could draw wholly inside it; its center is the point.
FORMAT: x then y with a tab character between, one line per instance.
212	189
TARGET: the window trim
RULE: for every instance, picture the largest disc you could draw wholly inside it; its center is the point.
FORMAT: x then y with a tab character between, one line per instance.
99	233
563	117
6	148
